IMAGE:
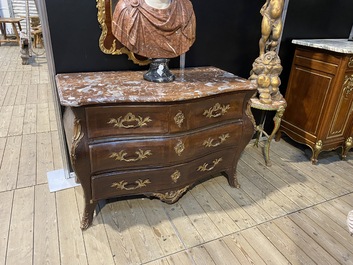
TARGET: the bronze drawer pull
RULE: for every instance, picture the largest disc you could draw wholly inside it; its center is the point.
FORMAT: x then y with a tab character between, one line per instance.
175	176
216	111
124	185
137	122
204	168
122	154
179	118
209	141
179	148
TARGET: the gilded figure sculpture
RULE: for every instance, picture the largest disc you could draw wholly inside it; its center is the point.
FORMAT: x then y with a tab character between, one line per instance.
265	72
267	67
271	25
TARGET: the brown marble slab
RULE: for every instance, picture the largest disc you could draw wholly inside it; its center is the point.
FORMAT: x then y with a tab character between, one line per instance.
77	89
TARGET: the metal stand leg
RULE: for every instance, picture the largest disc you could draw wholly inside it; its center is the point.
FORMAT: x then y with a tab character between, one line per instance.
260	128
277	122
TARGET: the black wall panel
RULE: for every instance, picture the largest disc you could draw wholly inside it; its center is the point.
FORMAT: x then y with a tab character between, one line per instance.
227	34
313	19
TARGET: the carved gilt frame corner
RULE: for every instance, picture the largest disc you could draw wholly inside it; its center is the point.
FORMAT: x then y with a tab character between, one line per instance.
107	42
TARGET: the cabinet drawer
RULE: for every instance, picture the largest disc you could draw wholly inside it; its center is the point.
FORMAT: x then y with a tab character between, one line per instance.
318	61
204	112
154	180
162	151
106	121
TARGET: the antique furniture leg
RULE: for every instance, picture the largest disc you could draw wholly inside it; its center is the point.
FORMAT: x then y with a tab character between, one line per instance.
279	107
347	146
87	215
78	156
277	122
16	32
316	151
233	180
260	130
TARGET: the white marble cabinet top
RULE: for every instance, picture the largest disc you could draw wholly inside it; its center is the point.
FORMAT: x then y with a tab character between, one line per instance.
335	45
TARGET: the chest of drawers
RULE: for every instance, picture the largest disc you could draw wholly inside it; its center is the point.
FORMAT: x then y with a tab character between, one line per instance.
127	136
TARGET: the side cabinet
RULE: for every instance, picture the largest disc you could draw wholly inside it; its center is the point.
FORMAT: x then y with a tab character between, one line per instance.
319	96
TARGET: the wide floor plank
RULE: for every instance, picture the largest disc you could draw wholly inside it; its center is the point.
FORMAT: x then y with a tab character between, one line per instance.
44	157
9	164
285	245
166	234
71	243
46	241
28	161
187	231
268	252
305	241
20	243
323	238
231	207
6	199
96	241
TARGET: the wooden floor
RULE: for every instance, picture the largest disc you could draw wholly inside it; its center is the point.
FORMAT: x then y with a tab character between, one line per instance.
290	213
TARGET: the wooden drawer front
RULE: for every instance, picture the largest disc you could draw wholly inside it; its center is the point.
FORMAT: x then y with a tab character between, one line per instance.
155	180
128	154
211	140
126	120
200	113
319	61
164	151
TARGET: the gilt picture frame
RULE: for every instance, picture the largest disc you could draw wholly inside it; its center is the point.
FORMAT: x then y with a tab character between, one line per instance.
107	41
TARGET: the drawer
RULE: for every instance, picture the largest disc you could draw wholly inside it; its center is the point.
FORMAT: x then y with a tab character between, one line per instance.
317	60
154	180
161	151
204	112
105	121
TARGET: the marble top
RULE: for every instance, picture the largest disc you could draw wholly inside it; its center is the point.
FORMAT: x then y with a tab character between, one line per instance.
335	45
275	105
78	89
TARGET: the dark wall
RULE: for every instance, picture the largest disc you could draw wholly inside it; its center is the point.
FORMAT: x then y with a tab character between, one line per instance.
313	19
227	33
227	36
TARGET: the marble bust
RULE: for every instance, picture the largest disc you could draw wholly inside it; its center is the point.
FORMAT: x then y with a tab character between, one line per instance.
155	28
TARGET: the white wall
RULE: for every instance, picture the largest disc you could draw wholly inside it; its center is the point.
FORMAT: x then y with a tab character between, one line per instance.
17	8
4	8
5	12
